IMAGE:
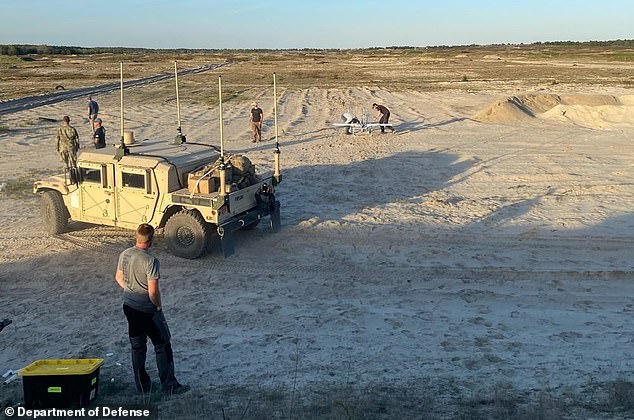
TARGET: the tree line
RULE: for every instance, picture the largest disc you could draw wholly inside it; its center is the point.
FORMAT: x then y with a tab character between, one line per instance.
19	49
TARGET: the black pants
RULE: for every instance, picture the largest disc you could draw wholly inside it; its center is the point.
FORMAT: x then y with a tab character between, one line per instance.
385	119
142	325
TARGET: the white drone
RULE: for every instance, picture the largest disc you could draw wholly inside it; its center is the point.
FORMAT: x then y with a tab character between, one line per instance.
355	126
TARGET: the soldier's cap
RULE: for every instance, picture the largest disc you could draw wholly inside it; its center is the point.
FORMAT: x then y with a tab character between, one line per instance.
98	120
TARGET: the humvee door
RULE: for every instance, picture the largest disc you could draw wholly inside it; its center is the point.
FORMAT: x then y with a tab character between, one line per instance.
96	193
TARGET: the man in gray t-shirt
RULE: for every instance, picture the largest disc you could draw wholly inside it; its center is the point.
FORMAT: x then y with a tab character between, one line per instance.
138	275
139	269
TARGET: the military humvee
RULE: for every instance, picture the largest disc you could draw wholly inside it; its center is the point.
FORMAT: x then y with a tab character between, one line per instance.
149	185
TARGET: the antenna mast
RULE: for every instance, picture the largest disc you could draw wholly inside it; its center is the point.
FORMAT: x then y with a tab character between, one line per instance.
222	142
178	102
122	123
122	150
180	138
222	168
277	177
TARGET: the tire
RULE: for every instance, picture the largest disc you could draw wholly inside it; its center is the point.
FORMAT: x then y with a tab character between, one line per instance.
54	212
186	234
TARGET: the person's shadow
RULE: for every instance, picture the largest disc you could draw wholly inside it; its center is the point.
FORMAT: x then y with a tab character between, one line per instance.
411	126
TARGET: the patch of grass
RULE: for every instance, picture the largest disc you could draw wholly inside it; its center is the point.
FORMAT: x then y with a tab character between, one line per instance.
425	399
268	57
621	394
17	188
503	401
623	56
9	59
237	95
22	187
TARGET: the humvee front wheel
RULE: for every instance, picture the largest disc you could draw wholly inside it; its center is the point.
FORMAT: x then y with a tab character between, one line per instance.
186	234
54	212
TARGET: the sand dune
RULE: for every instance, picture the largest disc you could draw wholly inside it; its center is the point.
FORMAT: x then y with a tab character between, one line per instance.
591	111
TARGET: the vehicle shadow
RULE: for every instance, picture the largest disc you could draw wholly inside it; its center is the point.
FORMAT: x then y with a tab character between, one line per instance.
447	122
331	192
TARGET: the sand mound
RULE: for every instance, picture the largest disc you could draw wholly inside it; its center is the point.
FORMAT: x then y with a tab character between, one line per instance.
540	103
505	111
627	99
592	111
598	117
590	100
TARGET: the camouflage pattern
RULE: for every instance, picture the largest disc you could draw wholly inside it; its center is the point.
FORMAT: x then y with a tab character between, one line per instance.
68	145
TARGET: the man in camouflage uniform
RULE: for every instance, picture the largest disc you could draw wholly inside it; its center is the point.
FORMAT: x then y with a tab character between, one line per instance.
67	147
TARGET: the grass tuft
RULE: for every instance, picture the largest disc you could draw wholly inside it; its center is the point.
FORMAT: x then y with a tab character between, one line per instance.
17	188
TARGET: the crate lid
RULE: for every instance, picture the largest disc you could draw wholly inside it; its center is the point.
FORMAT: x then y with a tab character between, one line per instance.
61	367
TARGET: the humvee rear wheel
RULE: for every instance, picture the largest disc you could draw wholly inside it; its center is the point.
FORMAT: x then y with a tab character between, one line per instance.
186	234
251	225
54	212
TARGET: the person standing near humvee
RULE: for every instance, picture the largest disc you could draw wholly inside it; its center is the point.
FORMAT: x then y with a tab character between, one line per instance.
67	146
93	109
93	112
99	137
138	275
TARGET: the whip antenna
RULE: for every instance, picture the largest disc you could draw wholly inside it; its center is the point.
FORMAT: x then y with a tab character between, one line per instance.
122	150
180	138
122	123
277	177
222	168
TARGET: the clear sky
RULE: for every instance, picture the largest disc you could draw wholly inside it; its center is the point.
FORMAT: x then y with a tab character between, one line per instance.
310	23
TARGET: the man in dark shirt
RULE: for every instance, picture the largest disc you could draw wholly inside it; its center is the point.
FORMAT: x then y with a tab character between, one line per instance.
93	112
93	109
138	275
385	116
99	139
255	120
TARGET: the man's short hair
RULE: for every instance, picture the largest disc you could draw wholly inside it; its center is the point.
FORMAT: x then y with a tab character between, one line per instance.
374	105
66	118
144	233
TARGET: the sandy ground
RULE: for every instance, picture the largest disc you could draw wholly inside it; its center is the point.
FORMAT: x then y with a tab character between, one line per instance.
456	251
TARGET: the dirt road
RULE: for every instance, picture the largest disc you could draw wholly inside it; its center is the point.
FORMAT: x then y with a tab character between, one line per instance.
31	102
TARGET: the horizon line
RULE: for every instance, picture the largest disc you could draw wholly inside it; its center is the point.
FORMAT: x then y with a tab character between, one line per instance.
550	42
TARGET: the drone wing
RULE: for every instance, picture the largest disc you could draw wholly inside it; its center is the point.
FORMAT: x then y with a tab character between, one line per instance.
378	125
